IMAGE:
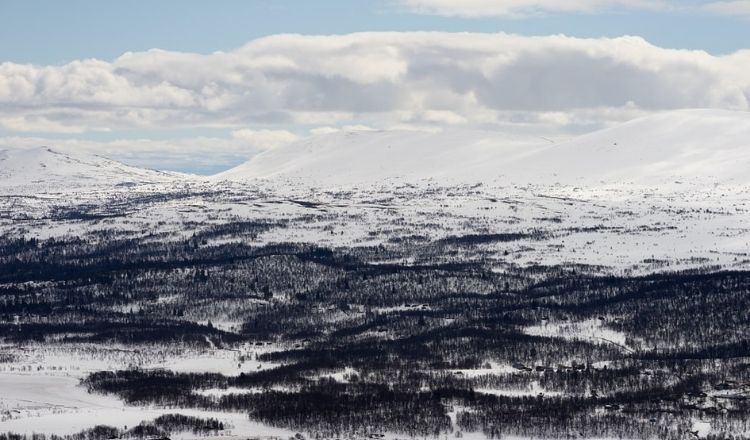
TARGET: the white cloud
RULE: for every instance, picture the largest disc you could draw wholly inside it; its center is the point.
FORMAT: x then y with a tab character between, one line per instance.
516	8
264	139
350	128
375	79
324	130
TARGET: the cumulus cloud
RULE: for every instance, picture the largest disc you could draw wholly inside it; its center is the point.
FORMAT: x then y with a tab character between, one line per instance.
376	79
515	8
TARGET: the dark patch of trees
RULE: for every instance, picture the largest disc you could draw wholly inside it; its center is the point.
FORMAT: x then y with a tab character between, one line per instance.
161	427
407	330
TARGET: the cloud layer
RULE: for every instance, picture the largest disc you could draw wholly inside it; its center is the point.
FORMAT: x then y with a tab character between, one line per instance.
383	78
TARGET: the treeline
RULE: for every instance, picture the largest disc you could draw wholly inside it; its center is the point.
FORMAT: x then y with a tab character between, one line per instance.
418	405
161	427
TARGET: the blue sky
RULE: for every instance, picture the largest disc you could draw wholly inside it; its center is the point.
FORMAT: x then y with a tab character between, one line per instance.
69	100
53	32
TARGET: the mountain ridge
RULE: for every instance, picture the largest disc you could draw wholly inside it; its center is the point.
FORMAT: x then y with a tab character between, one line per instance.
685	144
697	145
48	168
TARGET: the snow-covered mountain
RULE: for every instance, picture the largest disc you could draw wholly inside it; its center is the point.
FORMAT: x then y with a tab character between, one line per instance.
685	146
48	170
680	145
374	156
710	145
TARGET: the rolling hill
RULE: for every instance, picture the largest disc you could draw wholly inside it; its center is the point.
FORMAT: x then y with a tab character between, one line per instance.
680	145
45	169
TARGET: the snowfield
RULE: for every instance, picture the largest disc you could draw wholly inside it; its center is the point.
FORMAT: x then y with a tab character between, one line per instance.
34	403
593	330
46	170
685	145
42	393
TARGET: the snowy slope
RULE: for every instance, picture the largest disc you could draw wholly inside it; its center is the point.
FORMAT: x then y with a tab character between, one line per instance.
680	145
710	145
44	169
692	145
351	157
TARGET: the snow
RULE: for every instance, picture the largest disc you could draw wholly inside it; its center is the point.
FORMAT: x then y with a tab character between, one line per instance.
665	191
494	369
532	391
701	429
41	392
355	157
220	392
684	145
216	361
681	145
47	169
592	330
30	393
342	376
56	404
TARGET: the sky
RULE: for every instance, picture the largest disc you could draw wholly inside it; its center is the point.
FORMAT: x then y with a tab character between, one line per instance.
200	86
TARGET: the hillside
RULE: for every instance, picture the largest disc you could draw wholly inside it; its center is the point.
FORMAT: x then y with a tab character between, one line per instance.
352	157
685	145
681	145
44	169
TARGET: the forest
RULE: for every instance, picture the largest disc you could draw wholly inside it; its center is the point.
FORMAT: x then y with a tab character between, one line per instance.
417	337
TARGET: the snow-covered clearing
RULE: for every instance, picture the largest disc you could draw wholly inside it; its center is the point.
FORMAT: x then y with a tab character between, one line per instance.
592	330
38	403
